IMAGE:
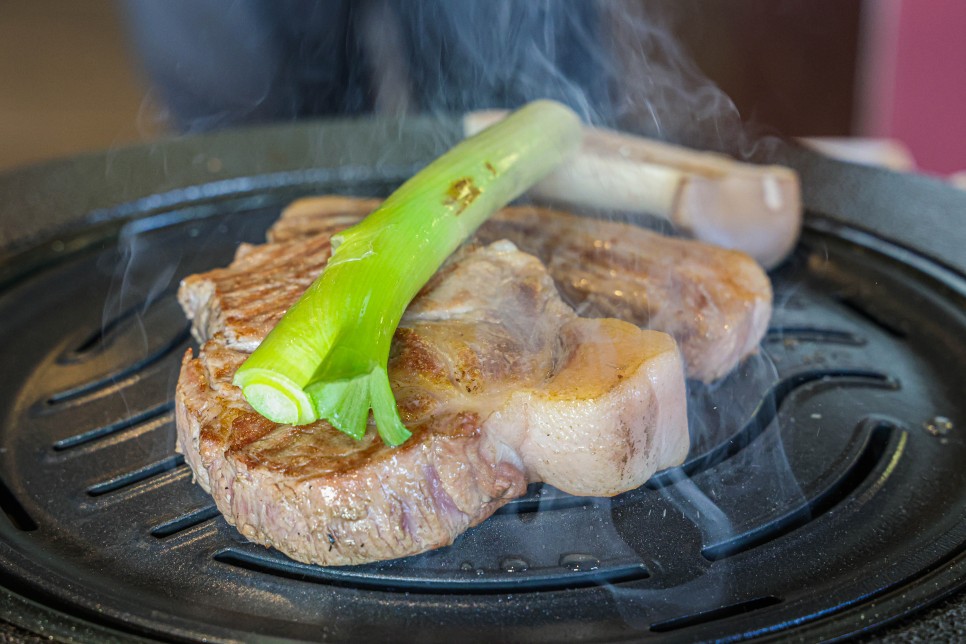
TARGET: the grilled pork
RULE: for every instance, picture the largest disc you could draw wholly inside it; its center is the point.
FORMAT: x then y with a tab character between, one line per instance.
715	302
500	382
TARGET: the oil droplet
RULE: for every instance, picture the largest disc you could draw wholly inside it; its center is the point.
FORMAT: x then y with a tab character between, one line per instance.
514	564
580	562
938	426
466	566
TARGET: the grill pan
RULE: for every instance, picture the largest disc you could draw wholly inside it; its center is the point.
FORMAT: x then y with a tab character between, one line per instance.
824	495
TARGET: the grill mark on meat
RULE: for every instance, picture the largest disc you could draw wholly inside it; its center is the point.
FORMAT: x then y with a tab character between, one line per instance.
341	212
410	353
252	302
245	429
468	374
415	405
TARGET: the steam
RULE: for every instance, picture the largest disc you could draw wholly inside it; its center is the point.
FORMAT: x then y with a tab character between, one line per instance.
615	62
474	55
141	280
144	277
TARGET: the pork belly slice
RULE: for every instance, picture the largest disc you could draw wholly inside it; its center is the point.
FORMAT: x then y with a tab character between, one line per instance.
500	381
715	302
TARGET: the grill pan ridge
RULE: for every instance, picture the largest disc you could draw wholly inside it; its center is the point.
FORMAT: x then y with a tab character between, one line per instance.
839	478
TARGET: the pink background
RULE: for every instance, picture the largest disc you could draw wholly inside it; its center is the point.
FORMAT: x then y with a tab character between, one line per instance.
915	79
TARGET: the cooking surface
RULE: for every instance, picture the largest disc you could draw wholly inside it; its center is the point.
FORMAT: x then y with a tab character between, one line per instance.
835	476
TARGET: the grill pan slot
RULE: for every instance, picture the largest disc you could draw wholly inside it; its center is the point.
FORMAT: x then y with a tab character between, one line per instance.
869	458
724	612
161	412
141	475
884	322
764	415
184	522
563	577
796	334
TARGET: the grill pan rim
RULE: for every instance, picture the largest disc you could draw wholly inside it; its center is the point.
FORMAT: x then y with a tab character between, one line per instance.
113	214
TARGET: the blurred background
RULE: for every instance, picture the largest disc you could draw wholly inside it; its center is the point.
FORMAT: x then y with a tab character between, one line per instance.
74	76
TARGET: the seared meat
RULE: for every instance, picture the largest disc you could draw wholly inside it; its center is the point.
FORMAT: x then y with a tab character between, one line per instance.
715	302
499	380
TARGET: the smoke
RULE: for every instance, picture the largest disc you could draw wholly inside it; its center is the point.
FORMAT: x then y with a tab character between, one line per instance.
141	279
617	63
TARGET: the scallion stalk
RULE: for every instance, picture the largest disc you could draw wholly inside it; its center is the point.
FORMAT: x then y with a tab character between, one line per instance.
327	357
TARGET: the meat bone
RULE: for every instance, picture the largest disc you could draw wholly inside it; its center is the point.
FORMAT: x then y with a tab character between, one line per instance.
753	208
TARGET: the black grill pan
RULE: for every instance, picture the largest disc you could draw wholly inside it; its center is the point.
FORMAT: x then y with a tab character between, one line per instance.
824	495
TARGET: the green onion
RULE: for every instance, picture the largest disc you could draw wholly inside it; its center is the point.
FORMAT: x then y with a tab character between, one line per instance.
327	356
